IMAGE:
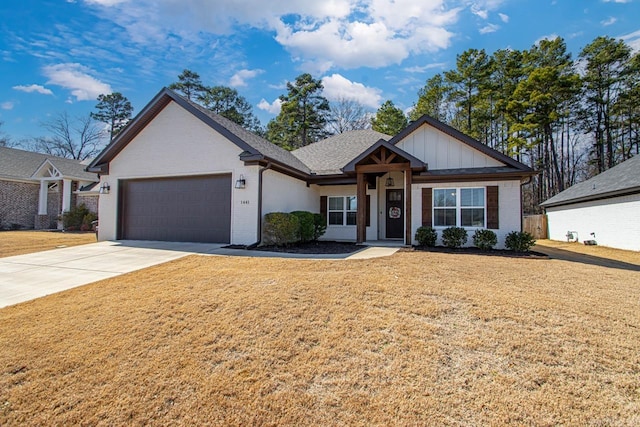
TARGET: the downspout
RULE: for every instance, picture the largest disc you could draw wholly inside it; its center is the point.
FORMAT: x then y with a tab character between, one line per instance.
522	184
260	173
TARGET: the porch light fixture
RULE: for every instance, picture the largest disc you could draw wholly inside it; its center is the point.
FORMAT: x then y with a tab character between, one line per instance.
390	182
105	188
241	182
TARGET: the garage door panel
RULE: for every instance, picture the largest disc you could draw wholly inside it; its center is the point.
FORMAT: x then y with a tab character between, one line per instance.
187	209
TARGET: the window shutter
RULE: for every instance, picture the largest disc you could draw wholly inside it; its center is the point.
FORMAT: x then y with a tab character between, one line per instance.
427	204
368	210
493	222
323	207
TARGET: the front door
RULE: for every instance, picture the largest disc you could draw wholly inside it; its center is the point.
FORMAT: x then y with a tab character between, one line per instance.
395	214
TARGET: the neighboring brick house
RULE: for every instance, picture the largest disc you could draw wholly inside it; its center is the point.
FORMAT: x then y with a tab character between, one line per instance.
36	188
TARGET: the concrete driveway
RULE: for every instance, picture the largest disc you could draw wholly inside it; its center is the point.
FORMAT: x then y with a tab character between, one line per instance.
25	277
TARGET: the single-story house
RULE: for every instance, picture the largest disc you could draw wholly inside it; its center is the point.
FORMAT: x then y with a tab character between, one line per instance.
180	172
605	208
36	188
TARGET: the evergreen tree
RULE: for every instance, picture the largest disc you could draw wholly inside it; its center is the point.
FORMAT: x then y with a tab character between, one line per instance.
389	119
230	104
303	114
432	100
189	84
115	110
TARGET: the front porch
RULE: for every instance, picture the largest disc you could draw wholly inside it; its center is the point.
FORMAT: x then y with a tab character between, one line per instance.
380	165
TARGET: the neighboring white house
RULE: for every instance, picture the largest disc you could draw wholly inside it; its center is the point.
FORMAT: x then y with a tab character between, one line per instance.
180	172
605	208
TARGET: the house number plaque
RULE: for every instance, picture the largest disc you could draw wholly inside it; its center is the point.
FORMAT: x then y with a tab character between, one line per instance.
244	202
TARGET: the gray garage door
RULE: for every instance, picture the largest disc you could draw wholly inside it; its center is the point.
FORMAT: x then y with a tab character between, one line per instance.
188	209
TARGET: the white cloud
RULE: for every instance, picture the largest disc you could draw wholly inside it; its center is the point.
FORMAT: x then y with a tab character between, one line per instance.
482	13
489	28
504	18
103	2
8	105
338	87
240	78
610	21
424	68
273	108
318	34
33	88
549	37
617	1
633	40
76	78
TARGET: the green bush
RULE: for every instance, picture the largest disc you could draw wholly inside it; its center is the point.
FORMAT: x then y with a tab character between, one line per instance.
454	237
519	241
319	226
78	218
306	229
280	229
426	236
485	239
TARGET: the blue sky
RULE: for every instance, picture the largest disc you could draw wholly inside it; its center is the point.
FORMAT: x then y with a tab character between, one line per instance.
59	55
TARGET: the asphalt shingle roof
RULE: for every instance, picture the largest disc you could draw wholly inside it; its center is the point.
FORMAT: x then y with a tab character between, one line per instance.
622	178
329	156
21	164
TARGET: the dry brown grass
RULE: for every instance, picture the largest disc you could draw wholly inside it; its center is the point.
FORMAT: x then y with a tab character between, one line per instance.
26	242
631	257
413	339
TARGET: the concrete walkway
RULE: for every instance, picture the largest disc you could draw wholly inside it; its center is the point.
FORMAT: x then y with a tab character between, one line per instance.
26	277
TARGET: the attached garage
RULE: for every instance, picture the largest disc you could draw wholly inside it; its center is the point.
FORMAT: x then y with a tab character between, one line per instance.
182	209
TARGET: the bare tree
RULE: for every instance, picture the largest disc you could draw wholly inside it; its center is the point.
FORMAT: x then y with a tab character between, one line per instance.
5	141
347	114
77	139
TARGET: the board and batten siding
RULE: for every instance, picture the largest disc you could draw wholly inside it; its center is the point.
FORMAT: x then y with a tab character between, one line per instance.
508	215
614	221
176	143
441	151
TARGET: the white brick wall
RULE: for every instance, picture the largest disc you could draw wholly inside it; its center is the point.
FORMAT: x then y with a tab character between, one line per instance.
615	221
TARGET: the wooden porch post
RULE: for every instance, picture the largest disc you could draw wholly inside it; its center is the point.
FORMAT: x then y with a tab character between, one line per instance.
361	213
407	210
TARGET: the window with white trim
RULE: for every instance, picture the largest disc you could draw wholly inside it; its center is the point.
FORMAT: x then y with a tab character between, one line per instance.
461	207
342	210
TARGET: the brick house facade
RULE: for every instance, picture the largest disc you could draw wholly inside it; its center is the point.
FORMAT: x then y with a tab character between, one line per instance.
32	189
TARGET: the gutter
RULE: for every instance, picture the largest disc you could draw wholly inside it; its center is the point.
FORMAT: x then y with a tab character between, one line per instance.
260	173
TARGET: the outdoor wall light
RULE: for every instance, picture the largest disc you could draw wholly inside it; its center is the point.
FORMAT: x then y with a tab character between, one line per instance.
390	182
241	182
105	188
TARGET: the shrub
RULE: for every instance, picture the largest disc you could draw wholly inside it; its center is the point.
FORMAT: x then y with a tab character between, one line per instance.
485	239
78	218
280	228
306	228
454	237
319	225
519	241
426	236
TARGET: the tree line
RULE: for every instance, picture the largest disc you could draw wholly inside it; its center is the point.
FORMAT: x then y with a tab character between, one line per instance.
568	119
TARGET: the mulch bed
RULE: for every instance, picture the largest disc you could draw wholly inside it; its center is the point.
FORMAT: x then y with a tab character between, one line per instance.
322	247
477	251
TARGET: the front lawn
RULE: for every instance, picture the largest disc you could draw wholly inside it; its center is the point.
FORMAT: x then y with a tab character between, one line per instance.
26	242
413	339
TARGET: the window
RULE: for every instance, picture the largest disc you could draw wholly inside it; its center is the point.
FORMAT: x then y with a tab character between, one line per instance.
462	207
342	210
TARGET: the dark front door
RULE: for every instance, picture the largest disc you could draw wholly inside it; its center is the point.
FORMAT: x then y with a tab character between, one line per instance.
395	214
